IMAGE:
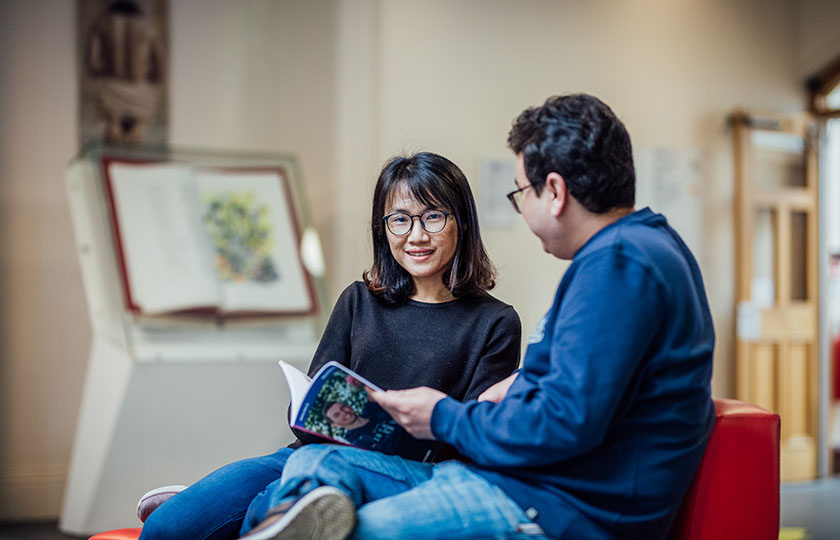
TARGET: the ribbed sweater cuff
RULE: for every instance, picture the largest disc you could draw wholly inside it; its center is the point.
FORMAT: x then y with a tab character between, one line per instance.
443	417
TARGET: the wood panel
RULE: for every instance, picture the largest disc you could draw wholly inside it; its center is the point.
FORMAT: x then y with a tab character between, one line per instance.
776	354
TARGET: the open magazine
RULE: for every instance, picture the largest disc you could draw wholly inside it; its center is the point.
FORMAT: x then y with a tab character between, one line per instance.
334	406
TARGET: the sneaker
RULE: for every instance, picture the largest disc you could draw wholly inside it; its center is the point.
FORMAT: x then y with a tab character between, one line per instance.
149	502
325	513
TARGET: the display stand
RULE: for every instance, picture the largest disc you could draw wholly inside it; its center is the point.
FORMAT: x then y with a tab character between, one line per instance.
168	399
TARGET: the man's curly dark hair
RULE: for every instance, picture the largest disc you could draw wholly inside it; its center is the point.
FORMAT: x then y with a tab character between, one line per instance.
579	137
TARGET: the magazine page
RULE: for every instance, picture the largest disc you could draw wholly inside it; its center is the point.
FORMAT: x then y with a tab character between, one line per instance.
161	240
298	385
338	408
251	225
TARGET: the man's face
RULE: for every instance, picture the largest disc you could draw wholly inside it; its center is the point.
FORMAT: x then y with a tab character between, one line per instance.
530	203
340	414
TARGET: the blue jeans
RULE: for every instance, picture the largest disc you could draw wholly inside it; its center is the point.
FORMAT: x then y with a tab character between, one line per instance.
397	498
213	508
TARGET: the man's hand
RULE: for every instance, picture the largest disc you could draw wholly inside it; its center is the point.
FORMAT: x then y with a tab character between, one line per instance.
496	392
412	408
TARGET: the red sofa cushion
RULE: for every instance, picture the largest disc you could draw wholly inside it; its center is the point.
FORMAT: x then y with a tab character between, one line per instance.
119	534
735	492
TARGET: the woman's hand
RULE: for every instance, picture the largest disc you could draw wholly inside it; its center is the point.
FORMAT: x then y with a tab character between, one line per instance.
496	392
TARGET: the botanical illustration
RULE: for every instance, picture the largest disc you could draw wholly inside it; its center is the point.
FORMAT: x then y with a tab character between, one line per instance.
242	236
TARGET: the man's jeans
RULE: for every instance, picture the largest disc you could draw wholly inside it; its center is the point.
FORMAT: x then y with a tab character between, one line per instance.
213	507
398	498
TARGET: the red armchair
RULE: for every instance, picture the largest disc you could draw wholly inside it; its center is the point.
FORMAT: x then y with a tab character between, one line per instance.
735	493
119	534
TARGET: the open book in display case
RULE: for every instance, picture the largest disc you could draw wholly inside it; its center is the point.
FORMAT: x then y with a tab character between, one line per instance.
213	250
206	239
201	271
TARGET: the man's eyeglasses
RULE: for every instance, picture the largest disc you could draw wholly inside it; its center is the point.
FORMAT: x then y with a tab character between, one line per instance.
515	197
432	221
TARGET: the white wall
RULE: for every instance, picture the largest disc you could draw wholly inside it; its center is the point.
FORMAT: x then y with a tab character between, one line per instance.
345	84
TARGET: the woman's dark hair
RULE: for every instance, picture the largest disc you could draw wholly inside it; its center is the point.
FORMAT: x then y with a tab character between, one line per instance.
435	182
579	137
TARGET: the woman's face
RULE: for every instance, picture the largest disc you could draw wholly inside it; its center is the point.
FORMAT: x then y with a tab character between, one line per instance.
425	256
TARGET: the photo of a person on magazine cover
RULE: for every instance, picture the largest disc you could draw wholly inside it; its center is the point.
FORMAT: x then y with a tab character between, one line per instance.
371	429
343	412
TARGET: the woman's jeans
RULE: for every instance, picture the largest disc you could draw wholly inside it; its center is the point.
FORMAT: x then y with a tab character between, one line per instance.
398	498
213	507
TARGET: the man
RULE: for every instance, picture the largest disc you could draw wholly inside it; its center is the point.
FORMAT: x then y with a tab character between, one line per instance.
373	429
601	431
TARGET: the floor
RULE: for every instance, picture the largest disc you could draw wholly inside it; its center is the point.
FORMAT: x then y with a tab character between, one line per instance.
814	507
811	507
47	530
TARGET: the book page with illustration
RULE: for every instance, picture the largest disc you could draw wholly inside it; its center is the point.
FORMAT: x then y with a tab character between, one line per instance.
212	240
160	237
253	234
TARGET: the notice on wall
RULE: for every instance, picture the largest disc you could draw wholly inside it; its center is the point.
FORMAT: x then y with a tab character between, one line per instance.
748	322
670	182
495	178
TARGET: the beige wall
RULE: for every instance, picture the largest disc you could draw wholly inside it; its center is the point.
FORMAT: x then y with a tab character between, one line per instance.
257	76
345	84
44	331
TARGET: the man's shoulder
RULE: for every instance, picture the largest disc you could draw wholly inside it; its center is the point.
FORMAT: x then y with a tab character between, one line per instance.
649	243
631	254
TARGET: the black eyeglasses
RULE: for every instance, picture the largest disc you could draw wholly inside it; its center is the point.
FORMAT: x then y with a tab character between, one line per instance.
432	221
515	197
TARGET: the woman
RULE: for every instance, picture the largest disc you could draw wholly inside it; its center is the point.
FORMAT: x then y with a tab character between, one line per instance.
422	317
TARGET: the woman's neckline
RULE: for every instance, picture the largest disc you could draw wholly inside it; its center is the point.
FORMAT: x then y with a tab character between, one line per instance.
421	303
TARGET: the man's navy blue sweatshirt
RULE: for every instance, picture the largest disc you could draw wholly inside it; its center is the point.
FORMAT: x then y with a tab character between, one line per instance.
602	430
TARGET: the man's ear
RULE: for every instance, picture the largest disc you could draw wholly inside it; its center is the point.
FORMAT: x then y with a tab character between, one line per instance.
556	186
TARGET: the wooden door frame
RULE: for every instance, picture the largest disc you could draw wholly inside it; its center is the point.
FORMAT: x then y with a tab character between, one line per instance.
819	86
777	364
